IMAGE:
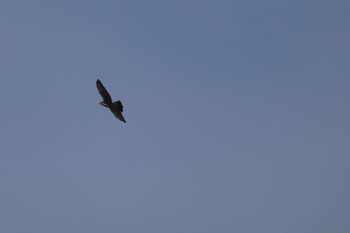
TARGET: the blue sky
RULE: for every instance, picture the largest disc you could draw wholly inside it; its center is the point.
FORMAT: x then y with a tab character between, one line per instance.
237	116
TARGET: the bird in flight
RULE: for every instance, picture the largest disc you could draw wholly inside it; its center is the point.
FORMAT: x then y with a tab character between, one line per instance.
115	107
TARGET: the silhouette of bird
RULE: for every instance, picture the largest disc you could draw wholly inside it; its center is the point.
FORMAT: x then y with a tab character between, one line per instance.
115	107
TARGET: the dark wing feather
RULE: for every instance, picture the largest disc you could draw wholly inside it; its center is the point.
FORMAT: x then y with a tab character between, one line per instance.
103	92
117	109
118	115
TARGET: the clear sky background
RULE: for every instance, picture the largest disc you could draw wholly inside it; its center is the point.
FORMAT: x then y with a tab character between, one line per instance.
237	116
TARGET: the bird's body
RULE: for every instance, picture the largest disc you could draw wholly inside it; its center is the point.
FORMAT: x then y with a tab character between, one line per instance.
115	107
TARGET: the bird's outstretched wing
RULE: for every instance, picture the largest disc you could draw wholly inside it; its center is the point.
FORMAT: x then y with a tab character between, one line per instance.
103	92
117	110
119	115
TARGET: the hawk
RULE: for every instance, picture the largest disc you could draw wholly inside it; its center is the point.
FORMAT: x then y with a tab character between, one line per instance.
115	107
